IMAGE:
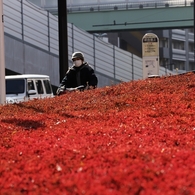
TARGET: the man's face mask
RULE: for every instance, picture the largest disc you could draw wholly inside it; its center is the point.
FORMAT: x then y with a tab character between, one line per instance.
77	62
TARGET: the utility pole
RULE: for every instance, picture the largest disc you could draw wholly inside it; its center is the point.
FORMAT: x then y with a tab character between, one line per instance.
63	38
2	56
194	32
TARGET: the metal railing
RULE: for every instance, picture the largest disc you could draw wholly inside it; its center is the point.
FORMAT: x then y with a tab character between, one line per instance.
127	6
97	5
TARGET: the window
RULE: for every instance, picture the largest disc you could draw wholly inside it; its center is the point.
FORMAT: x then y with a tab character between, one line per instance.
47	86
39	86
191	66
164	42
31	85
178	44
179	64
191	30
15	86
191	47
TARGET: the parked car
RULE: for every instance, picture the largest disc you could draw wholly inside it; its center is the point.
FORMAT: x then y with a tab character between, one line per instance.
26	87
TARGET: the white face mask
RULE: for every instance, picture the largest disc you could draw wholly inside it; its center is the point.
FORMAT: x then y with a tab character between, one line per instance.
78	63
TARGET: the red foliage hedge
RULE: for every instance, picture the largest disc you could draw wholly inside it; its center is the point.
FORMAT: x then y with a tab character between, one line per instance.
133	138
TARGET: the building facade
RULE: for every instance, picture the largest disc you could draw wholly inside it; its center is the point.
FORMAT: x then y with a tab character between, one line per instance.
176	46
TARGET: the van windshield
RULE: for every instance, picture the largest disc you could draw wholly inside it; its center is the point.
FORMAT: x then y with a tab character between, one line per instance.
15	86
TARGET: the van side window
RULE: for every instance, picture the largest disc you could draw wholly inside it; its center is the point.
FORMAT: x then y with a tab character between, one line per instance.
47	86
31	85
39	86
15	86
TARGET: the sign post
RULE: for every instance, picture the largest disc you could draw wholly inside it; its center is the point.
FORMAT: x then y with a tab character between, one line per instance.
150	55
2	57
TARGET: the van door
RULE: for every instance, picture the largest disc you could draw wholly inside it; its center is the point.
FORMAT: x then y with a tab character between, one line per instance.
31	87
37	85
40	88
48	88
15	90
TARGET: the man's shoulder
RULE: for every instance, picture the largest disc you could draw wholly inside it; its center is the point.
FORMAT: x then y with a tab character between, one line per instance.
72	68
84	66
87	65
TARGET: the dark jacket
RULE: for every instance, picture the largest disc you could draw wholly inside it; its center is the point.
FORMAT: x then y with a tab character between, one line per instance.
76	76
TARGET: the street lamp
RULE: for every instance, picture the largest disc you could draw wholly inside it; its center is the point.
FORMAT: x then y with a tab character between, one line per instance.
2	57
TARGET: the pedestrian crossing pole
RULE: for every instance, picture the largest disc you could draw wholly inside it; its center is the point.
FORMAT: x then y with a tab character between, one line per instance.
2	56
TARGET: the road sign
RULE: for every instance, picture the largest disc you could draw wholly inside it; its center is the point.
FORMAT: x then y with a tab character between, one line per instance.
150	55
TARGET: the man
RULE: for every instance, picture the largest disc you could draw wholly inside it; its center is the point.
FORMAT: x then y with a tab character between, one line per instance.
81	73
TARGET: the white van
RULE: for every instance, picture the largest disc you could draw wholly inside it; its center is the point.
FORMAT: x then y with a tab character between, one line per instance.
26	87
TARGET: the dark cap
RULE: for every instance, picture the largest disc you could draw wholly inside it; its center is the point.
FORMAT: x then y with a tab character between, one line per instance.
78	55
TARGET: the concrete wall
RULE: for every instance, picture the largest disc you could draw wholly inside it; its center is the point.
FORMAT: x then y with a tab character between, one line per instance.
24	58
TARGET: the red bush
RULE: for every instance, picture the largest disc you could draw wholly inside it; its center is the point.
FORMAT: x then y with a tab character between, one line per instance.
132	138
